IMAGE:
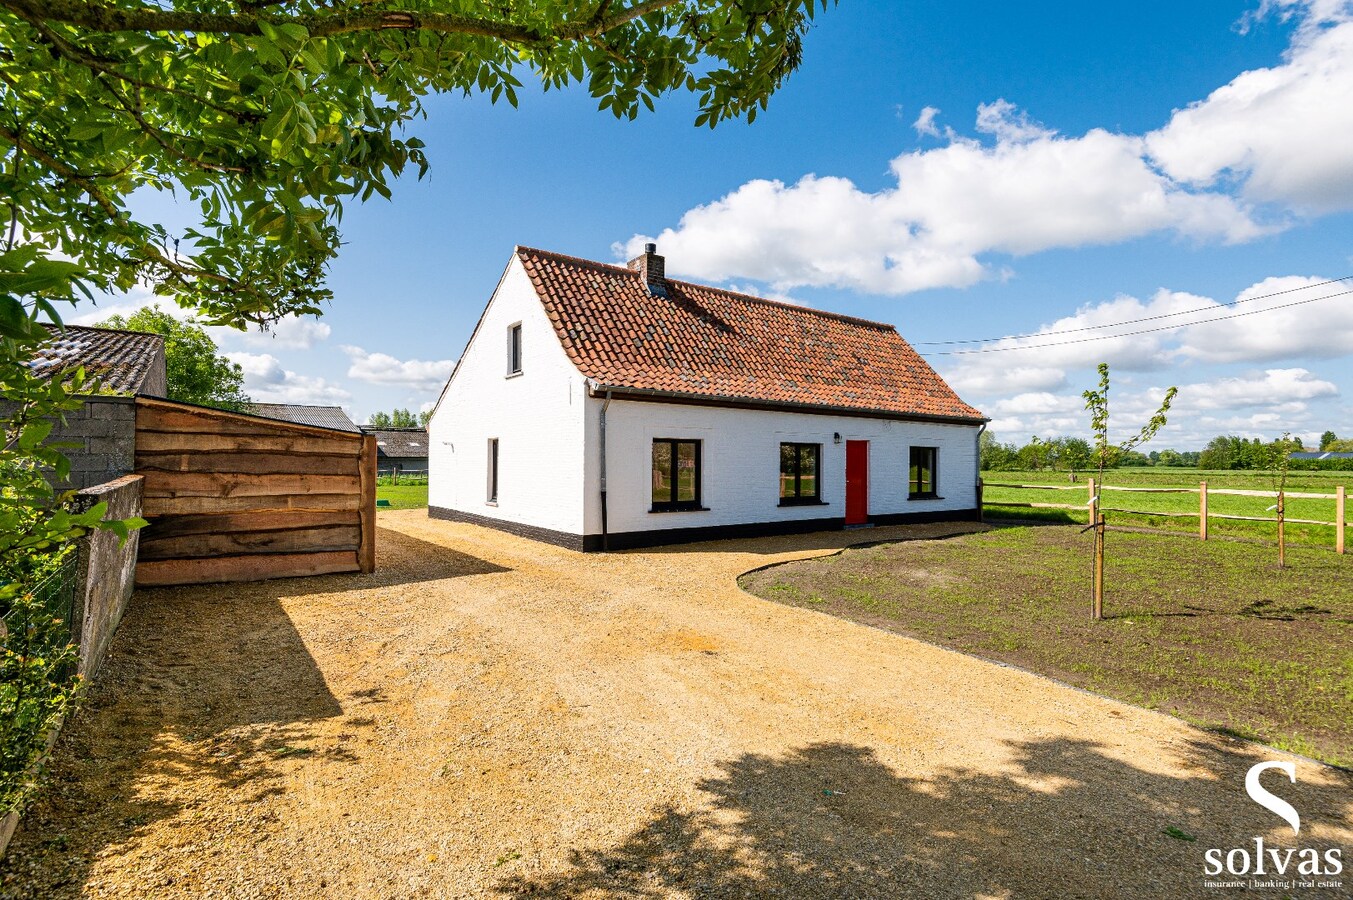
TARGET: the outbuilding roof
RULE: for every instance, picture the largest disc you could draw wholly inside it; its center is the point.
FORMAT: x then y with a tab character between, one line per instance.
302	414
400	443
121	360
627	331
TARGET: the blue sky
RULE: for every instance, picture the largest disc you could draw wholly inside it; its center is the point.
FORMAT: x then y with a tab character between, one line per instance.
1083	164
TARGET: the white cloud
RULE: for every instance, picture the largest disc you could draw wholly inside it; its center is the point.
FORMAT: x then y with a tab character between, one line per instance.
1281	390
925	122
380	368
1030	191
268	381
290	332
1282	131
1009	123
1035	390
986	381
1320	329
1261	151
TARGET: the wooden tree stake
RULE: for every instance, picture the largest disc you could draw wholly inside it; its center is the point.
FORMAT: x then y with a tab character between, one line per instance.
1098	611
1202	510
1339	517
1282	542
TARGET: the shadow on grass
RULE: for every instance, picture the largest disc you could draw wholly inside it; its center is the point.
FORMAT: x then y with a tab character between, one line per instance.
1061	817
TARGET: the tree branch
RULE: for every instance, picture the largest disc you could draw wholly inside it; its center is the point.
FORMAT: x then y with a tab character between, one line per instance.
102	18
86	182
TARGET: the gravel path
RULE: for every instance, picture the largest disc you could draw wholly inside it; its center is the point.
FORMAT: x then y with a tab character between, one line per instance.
487	716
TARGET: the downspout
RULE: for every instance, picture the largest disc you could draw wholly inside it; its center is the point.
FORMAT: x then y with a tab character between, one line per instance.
605	539
980	511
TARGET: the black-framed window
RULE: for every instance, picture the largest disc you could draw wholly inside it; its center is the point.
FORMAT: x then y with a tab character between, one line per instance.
800	473
514	349
676	474
493	471
921	477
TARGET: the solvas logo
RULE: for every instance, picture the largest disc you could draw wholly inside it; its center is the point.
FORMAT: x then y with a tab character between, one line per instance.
1286	867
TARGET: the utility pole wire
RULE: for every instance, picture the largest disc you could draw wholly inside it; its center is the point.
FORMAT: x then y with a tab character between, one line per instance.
1109	337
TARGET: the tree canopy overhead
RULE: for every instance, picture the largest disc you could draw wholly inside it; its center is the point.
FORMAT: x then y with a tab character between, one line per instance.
270	115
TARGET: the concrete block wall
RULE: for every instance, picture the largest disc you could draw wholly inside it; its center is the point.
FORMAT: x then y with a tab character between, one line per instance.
103	431
107	568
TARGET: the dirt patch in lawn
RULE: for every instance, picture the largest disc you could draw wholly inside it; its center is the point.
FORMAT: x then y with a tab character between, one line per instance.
1212	632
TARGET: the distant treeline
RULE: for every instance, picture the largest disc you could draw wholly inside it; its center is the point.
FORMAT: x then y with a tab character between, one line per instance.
1222	452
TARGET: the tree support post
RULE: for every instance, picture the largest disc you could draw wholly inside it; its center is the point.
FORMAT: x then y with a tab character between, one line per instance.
1282	541
1202	511
1339	517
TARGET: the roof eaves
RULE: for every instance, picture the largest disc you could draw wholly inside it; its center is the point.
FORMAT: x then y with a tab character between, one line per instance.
621	392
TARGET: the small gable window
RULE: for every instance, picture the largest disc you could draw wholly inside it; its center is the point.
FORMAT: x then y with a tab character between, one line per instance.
514	349
921	477
799	471
676	475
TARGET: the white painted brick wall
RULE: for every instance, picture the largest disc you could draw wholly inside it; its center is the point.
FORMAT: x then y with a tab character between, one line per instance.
537	417
740	460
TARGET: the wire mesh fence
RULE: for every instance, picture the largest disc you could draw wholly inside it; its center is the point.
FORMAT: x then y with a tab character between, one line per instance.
38	659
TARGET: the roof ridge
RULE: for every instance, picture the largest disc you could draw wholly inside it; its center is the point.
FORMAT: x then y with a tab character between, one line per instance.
743	295
66	327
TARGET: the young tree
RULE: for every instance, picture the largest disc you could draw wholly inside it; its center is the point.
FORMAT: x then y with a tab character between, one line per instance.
399	418
1277	458
196	372
1097	402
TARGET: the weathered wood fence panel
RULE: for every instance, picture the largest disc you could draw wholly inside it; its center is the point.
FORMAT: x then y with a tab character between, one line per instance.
233	497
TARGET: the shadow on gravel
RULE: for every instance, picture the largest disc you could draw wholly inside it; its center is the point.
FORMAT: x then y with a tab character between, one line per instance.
208	680
1064	820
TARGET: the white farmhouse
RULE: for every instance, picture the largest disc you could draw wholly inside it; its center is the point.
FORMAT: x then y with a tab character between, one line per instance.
607	407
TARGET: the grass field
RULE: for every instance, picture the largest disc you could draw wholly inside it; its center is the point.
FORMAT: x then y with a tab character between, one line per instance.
1217	635
1155	507
403	496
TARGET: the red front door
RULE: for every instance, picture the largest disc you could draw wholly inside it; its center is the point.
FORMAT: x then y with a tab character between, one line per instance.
857	482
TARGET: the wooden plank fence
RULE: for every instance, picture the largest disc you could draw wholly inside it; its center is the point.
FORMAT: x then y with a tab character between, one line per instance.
1339	497
233	497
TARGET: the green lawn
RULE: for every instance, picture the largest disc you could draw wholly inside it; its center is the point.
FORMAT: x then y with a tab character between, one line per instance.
1187	503
1213	632
402	496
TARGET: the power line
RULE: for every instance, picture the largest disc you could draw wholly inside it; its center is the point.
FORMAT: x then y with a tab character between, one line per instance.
1109	337
1186	312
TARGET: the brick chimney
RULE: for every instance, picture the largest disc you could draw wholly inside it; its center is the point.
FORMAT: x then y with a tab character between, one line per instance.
653	267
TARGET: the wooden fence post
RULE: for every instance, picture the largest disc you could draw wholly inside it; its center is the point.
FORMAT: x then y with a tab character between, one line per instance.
1339	517
1202	510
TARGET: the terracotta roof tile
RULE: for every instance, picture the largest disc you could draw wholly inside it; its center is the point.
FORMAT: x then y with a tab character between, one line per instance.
708	342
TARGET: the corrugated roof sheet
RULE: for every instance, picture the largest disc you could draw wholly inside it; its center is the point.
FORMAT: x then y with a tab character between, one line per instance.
711	343
319	416
121	360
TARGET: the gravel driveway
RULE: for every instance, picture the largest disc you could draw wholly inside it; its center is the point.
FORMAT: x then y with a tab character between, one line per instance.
487	716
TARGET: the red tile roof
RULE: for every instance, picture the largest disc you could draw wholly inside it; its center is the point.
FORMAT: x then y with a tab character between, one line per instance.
710	343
